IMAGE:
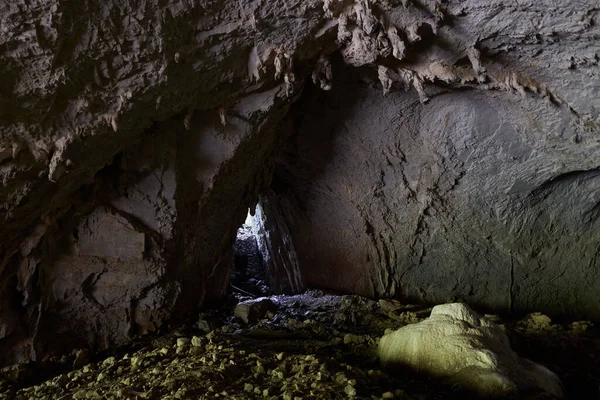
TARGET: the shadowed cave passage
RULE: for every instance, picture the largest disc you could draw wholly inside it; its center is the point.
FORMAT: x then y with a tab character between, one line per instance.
249	273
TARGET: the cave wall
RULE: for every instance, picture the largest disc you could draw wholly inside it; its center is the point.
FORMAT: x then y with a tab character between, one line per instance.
182	99
272	233
483	197
151	238
107	279
84	83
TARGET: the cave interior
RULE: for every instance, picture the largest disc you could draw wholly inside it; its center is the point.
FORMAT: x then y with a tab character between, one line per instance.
264	199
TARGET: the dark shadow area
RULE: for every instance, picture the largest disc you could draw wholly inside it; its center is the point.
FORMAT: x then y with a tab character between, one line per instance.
248	273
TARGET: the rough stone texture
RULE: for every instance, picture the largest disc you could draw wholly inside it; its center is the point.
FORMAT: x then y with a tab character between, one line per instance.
81	83
253	310
456	343
134	247
276	246
467	197
486	186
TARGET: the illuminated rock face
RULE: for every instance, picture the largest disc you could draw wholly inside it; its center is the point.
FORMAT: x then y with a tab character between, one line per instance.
457	344
130	151
468	197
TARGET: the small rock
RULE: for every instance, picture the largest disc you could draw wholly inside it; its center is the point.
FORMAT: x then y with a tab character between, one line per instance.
293	323
81	358
287	395
580	326
340	377
89	368
93	395
388	395
196	350
181	393
388	305
350	390
204	325
350	338
60	381
109	362
538	320
253	310
135	361
196	341
183	341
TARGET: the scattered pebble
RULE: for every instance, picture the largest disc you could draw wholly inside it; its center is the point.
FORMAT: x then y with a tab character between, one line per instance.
315	346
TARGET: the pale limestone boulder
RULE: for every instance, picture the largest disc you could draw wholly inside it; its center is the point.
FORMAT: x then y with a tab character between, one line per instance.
252	310
457	343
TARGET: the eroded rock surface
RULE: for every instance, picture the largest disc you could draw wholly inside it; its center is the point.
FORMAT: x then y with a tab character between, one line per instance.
199	78
133	245
160	126
467	197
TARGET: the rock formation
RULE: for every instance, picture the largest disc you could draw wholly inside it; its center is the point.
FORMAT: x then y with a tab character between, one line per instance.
457	344
466	198
135	135
487	193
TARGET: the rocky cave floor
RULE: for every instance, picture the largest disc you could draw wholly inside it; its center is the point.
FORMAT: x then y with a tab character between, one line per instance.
309	346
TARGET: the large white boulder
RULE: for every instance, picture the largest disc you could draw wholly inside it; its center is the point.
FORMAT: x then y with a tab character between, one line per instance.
457	343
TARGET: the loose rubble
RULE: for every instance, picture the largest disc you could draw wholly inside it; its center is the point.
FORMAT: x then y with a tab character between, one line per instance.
310	346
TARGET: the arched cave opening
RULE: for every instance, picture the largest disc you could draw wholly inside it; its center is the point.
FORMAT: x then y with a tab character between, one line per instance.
249	274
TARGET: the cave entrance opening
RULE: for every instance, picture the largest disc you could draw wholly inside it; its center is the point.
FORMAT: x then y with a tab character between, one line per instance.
249	271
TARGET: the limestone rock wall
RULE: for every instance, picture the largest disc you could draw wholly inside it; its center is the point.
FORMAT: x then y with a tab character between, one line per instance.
468	197
157	121
276	246
84	82
148	240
